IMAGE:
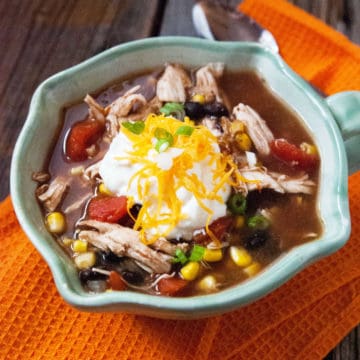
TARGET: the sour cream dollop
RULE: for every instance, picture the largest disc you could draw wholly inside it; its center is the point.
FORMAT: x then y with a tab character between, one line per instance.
120	173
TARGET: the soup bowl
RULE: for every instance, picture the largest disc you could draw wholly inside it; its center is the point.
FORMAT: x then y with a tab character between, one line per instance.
333	122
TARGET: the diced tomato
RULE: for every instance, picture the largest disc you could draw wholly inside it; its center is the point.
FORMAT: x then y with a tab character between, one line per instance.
108	209
81	136
293	155
217	227
170	286
116	282
220	226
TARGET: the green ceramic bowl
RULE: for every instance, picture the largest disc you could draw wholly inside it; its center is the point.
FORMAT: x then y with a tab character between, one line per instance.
334	123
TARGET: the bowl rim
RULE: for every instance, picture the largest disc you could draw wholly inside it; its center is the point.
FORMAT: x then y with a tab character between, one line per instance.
204	305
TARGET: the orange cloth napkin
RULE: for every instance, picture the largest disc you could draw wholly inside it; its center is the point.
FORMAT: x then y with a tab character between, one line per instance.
304	319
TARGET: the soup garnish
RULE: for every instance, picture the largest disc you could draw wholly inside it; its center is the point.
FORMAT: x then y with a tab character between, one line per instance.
171	183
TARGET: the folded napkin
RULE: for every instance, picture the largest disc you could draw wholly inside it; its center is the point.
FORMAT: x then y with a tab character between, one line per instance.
303	319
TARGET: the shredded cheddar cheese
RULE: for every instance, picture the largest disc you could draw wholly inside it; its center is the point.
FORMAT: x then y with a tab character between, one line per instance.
173	171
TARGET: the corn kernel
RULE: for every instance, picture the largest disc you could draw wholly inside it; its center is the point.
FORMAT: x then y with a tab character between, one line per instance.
77	171
200	98
79	246
252	269
67	241
208	284
243	141
308	148
56	223
190	271
240	256
85	260
239	222
104	190
212	255
237	126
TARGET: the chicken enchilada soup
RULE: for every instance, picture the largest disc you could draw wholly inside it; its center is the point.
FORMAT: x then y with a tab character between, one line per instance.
180	182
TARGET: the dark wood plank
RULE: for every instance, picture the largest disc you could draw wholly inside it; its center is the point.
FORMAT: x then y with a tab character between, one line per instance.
352	17
348	349
342	15
177	18
45	36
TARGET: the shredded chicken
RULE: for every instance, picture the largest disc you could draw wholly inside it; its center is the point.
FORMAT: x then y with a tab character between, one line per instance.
256	127
41	177
173	84
167	247
123	241
301	184
96	111
51	195
125	103
260	178
153	106
122	107
206	81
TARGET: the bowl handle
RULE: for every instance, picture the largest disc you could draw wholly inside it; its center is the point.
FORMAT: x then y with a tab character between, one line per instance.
345	107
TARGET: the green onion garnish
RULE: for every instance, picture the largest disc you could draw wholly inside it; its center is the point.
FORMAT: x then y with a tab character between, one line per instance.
184	130
164	139
136	127
162	145
162	134
180	257
175	110
237	204
258	222
171	108
197	253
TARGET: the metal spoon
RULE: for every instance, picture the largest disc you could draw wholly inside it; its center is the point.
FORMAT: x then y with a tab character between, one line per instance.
218	22
215	21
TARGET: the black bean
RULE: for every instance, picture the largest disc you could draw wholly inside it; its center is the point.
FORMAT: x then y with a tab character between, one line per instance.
109	258
127	220
132	277
194	110
88	274
216	109
135	210
256	239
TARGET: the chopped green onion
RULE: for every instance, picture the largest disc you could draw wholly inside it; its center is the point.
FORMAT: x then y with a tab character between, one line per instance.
162	145
165	139
175	110
237	204
136	127
184	130
258	222
180	257
163	134
197	253
171	107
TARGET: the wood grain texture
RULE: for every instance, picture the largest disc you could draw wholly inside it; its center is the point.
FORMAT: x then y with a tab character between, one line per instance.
41	37
342	15
175	11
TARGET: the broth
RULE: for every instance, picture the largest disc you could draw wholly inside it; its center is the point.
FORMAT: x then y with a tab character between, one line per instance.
293	217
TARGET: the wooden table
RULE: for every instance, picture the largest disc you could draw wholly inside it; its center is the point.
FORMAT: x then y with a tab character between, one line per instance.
41	37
